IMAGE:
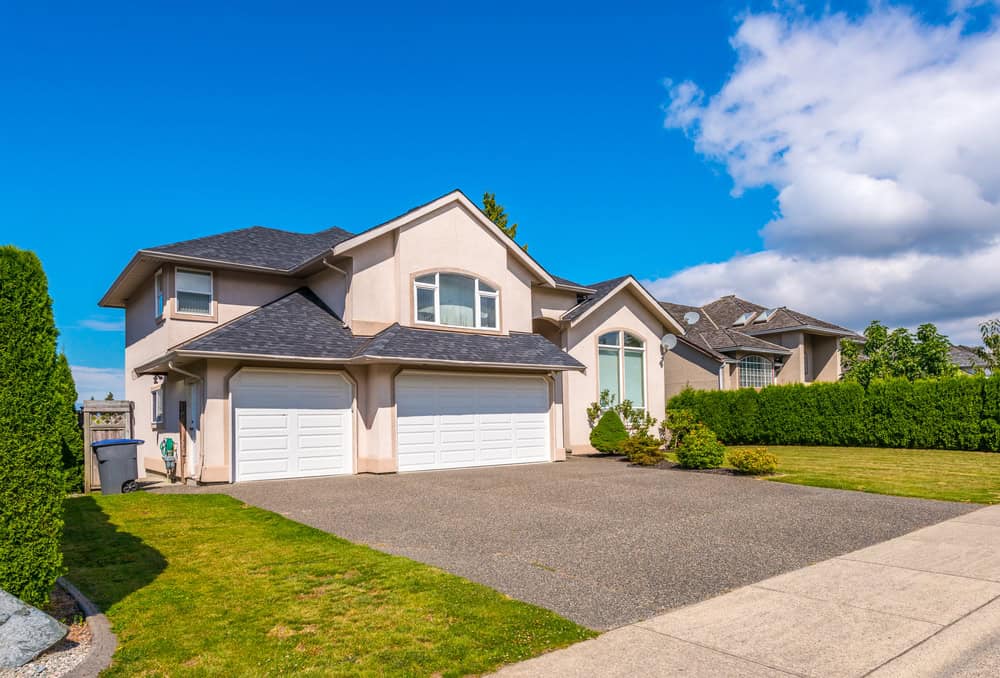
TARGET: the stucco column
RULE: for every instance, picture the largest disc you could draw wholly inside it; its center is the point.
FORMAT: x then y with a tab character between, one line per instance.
377	419
216	423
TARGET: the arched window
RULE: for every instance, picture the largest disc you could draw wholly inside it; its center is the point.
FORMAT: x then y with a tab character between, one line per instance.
755	372
456	300
621	366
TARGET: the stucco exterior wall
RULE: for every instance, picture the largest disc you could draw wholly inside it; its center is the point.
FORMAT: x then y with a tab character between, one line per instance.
547	302
794	369
684	366
825	358
623	311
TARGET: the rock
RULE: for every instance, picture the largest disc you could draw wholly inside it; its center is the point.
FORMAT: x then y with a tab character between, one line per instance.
25	631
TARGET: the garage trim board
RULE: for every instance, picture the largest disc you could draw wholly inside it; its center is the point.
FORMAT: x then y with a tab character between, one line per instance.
291	424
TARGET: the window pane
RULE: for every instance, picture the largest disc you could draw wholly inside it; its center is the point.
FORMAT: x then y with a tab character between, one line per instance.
457	300
609	339
425	304
191	302
483	287
755	372
608	371
632	341
426	279
634	378
190	281
488	312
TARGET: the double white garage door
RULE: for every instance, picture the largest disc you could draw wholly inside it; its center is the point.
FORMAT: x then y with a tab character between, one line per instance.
295	424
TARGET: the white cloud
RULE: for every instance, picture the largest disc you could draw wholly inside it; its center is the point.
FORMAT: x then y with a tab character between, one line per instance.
103	325
880	135
97	381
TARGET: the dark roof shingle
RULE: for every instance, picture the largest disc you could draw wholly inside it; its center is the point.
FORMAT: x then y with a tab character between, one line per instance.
601	290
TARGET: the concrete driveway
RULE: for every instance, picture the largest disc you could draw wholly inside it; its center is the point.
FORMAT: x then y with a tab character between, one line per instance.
593	539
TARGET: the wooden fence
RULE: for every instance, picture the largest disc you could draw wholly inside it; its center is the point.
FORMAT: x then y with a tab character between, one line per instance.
102	420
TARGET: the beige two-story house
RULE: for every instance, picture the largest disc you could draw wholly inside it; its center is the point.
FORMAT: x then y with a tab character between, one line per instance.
430	341
732	343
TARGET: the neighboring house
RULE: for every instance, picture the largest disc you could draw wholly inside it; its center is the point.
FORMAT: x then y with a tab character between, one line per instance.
430	341
967	359
733	343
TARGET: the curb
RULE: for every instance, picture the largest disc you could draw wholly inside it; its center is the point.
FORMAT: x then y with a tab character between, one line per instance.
103	641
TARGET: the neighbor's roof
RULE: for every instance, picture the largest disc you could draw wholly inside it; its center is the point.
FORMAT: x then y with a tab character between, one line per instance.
299	326
257	246
966	357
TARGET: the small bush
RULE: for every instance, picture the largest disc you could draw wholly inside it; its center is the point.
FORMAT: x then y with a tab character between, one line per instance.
609	434
701	449
643	449
754	461
678	423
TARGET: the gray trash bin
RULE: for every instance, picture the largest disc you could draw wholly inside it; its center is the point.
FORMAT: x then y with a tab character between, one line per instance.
116	461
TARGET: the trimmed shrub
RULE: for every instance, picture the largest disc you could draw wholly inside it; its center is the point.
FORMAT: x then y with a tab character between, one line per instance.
701	449
956	413
68	425
609	434
754	461
643	449
32	484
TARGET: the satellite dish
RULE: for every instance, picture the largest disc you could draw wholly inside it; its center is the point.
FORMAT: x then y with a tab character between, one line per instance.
691	317
668	342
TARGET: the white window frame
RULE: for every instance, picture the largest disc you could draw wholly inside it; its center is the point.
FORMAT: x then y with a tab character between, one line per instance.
159	298
622	348
766	372
156	406
436	286
211	290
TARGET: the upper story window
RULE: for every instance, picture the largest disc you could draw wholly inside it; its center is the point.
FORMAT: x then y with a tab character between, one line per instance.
456	300
194	291
621	360
158	297
755	372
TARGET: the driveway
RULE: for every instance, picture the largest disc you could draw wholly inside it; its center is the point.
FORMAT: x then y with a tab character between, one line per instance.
596	540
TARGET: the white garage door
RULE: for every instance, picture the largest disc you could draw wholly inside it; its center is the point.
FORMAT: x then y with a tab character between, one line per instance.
291	424
458	421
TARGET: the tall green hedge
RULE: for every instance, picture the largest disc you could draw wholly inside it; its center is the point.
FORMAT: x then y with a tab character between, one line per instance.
32	483
955	413
68	425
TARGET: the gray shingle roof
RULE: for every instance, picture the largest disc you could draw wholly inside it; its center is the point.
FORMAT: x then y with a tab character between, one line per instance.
566	282
300	325
258	246
413	343
601	290
727	340
966	357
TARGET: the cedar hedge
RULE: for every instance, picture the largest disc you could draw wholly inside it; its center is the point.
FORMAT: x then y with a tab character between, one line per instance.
32	482
951	413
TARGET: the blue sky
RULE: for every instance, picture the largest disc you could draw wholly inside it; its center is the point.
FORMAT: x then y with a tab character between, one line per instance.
130	125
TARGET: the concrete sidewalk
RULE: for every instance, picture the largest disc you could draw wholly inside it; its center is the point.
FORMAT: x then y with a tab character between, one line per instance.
924	604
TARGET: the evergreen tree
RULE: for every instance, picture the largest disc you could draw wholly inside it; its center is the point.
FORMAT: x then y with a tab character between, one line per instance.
68	425
498	216
31	478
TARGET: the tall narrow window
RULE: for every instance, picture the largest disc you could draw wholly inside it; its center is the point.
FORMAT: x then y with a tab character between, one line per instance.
755	372
455	300
194	291
156	410
621	367
158	293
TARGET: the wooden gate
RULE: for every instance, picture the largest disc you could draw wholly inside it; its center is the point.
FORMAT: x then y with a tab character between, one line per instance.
102	420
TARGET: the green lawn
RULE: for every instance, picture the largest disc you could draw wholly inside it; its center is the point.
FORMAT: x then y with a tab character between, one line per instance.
206	585
929	474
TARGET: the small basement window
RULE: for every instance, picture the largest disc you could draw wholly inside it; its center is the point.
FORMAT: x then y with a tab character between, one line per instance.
194	291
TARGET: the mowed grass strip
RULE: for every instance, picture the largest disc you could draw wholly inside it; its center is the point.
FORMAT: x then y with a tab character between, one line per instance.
929	474
206	585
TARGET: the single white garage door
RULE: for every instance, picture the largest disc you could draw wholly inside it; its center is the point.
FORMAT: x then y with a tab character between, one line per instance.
289	424
458	421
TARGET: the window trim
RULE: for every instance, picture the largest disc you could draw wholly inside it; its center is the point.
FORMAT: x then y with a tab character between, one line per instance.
622	348
156	406
477	295
211	287
768	366
159	295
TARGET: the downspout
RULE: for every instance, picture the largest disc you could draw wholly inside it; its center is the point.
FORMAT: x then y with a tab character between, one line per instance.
722	366
201	457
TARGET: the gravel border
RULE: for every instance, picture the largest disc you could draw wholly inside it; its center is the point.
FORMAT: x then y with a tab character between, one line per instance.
103	642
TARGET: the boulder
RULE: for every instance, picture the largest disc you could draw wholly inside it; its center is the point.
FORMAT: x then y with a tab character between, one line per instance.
25	631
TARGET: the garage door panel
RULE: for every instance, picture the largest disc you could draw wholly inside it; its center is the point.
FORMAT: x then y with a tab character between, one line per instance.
457	421
292	424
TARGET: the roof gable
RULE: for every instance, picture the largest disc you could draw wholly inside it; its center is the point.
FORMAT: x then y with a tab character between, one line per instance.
603	291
